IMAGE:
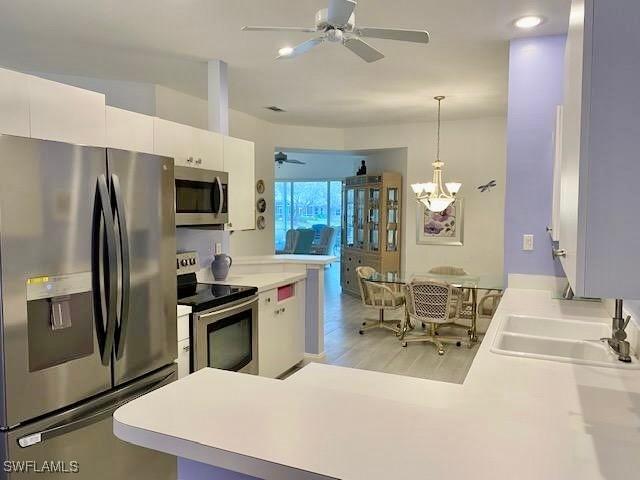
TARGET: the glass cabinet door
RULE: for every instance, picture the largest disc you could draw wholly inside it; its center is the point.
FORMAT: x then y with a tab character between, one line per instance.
374	219
361	204
393	214
349	215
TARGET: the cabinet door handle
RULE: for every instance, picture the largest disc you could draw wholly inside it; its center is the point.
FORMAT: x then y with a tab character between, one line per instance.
186	348
268	300
199	161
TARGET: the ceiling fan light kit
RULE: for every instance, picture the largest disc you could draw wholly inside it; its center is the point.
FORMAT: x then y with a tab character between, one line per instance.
435	196
337	24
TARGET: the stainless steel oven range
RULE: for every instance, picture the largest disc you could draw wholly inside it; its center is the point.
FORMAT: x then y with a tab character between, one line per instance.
223	322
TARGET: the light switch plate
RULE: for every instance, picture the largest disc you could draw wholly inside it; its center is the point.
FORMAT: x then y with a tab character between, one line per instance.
218	248
527	242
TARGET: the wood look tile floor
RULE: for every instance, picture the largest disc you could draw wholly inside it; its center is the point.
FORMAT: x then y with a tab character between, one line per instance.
378	349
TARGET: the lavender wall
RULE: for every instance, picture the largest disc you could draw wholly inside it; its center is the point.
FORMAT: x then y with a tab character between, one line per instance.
536	71
191	470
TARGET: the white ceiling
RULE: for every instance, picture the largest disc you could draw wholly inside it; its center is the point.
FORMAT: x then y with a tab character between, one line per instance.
168	41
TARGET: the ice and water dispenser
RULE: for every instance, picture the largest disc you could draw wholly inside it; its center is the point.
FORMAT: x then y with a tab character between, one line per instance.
60	319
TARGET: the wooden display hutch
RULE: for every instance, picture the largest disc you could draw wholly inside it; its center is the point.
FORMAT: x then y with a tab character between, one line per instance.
371	224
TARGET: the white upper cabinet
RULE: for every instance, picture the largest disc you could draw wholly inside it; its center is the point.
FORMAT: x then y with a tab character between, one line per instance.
189	146
14	104
173	139
129	130
66	114
239	162
208	149
557	177
600	190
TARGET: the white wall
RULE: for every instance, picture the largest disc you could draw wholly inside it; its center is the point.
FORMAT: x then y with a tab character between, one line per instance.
181	107
269	137
474	152
135	96
319	166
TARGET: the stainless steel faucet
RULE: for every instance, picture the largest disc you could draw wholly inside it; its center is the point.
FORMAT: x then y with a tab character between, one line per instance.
618	341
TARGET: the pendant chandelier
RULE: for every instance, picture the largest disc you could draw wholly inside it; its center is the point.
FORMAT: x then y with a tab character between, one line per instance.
433	194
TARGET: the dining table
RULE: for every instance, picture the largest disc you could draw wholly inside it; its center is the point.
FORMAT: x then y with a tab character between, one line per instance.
487	284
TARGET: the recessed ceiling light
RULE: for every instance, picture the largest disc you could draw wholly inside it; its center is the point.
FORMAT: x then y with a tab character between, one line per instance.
285	51
530	21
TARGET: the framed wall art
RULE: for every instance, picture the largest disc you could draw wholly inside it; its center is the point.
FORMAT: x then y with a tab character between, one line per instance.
443	228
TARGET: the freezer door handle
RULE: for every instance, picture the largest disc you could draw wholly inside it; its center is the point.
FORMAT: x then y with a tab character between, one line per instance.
103	270
93	416
117	204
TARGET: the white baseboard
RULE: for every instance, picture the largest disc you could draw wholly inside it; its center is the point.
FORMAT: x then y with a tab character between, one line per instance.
315	357
536	282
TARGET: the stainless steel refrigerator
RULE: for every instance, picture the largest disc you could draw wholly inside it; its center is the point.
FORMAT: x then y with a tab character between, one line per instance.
88	297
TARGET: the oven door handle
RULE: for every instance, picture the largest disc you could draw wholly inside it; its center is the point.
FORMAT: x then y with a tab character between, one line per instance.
221	191
230	309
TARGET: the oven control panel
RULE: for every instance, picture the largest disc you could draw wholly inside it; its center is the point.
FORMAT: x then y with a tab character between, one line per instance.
187	262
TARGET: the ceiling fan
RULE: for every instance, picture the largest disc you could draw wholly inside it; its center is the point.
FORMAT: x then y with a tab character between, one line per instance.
282	158
336	24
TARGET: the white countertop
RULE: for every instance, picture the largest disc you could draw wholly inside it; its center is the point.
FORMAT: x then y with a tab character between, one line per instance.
300	259
513	418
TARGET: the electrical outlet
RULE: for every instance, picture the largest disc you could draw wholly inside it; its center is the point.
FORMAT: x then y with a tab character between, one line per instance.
218	248
527	242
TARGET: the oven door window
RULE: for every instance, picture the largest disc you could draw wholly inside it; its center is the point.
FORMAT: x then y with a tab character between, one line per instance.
229	342
196	197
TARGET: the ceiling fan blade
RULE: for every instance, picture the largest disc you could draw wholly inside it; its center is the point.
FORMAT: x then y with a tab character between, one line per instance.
293	160
340	11
363	50
303	48
278	29
417	36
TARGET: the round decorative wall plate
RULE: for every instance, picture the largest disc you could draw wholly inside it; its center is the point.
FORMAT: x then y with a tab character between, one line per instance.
261	205
260	186
260	223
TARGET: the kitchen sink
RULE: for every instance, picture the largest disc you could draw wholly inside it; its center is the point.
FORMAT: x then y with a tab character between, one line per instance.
560	340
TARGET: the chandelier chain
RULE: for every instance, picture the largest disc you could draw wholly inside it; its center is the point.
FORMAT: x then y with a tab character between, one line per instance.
438	136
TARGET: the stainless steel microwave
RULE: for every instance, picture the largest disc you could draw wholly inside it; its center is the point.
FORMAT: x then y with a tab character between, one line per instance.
201	197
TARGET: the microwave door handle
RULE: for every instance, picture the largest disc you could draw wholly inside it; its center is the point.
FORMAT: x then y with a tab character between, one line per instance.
117	204
103	269
221	191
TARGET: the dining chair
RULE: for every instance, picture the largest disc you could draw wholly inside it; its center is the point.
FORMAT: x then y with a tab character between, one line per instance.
429	302
462	297
381	297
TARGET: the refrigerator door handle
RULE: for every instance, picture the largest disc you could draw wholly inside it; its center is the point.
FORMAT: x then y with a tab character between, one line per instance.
91	417
221	190
119	213
104	270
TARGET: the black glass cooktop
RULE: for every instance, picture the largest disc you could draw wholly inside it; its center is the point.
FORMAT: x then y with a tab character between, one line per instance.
205	296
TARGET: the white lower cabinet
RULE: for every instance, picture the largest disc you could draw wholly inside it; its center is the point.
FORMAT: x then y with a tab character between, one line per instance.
280	331
184	351
184	346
